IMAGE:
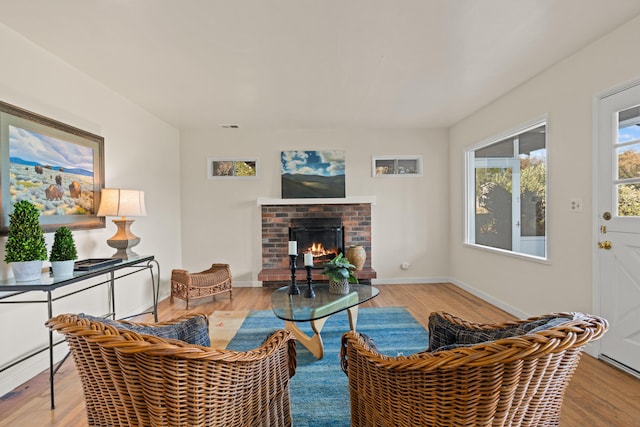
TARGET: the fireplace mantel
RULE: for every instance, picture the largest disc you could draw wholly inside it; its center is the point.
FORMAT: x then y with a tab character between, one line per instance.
266	201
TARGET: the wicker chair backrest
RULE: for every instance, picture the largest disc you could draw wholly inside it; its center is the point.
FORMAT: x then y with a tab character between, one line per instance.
518	381
141	380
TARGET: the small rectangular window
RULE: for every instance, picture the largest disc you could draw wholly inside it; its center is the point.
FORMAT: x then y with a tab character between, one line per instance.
506	192
232	168
399	165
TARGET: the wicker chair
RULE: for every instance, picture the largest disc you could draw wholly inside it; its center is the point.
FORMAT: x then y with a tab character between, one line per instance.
131	379
210	282
517	381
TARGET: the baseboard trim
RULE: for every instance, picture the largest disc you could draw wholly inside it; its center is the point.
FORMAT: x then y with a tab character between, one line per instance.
410	280
247	284
491	300
620	366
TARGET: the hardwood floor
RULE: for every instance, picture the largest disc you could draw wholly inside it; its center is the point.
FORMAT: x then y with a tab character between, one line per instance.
598	396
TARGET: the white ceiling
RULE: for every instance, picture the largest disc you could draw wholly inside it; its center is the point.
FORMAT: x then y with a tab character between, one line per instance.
313	63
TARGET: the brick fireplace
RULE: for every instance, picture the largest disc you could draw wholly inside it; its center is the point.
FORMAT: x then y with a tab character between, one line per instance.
278	218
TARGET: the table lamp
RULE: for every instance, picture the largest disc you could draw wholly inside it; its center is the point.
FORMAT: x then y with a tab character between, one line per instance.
122	203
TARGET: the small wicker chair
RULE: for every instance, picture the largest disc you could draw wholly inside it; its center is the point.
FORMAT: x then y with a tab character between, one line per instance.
517	381
210	282
131	379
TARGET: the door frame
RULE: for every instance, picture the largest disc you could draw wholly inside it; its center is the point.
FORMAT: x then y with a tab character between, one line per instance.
594	348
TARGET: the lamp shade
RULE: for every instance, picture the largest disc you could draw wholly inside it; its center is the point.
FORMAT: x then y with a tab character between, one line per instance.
118	202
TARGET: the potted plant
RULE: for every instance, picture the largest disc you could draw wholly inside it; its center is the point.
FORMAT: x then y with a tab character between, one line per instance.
340	273
63	253
25	248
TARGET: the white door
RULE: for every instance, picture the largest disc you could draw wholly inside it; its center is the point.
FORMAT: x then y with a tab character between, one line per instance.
618	253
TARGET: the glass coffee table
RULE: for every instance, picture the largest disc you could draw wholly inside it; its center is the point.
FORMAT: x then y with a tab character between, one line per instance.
298	308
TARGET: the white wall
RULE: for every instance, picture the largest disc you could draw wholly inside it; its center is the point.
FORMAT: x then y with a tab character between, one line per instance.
221	221
565	92
140	152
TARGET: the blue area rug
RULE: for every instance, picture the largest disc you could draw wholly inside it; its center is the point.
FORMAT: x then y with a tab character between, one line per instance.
319	389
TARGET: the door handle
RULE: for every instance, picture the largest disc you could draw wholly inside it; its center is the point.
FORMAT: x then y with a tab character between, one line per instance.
604	245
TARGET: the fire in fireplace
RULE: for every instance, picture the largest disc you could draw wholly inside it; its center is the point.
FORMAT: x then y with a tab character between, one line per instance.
323	237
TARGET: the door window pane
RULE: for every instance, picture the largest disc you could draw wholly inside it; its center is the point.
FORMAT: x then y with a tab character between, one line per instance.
627	149
629	162
628	125
629	200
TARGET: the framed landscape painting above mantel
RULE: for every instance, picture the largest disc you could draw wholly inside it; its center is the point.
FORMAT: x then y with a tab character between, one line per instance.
313	174
56	167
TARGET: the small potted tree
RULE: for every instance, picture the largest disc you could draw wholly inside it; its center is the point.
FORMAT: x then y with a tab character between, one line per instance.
63	253
25	248
340	273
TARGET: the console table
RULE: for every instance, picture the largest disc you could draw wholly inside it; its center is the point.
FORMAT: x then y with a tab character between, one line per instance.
48	284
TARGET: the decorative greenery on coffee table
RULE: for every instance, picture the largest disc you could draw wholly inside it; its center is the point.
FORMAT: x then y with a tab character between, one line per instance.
339	268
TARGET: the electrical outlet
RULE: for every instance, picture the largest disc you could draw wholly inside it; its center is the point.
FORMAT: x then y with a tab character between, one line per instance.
575	205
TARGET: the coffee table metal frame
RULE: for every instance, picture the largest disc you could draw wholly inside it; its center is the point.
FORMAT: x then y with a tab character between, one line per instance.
298	308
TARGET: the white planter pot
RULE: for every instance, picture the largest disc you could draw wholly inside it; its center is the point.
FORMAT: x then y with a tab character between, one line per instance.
62	268
27	270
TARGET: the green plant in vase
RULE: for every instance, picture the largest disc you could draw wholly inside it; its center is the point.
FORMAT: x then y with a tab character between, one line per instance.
63	252
340	273
25	248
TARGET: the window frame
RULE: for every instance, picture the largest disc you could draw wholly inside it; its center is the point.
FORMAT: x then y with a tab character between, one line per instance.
469	190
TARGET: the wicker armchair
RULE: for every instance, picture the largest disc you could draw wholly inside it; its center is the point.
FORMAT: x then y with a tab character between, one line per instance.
131	379
517	381
210	282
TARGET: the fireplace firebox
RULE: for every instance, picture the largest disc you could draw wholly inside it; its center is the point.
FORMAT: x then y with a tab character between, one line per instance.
323	237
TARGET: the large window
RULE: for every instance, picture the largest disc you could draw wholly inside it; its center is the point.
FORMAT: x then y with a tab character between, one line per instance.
506	193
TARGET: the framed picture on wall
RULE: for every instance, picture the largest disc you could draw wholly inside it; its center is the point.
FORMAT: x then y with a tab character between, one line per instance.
57	167
232	168
313	174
